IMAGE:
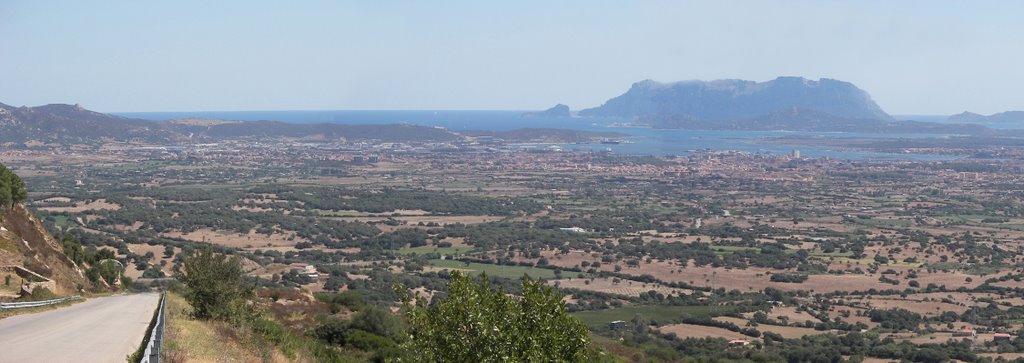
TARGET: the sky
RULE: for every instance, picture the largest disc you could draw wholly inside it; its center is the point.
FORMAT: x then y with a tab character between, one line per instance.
913	57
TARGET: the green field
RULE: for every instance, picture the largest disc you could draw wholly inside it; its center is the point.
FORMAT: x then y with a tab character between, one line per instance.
661	313
822	254
332	213
428	249
61	221
885	222
728	250
510	272
146	164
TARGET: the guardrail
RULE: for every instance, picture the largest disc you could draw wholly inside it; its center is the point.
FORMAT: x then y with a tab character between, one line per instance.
32	304
154	342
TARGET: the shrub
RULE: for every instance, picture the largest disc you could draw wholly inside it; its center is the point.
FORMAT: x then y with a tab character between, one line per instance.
476	323
215	288
789	277
39	294
896	319
379	321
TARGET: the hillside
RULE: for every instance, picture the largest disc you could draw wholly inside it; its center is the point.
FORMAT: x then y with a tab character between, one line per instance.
74	125
1008	117
733	99
25	242
558	110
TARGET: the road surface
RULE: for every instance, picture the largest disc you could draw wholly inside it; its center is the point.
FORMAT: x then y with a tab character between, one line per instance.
104	329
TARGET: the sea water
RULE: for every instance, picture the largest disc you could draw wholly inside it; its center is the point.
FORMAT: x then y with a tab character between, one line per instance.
641	141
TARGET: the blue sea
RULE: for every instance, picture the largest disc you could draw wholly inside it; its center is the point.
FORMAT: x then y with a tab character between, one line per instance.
644	141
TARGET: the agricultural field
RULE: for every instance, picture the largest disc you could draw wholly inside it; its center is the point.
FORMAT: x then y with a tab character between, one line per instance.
446	251
502	271
617	286
716	246
683	331
654	313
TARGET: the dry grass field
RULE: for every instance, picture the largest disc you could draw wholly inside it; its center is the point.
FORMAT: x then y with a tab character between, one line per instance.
82	206
158	257
756	278
445	220
788	332
1006	356
940	337
789	313
683	331
237	240
625	287
926	308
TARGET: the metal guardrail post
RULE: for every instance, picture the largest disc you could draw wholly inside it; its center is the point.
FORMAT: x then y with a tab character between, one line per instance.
32	304
158	331
155	339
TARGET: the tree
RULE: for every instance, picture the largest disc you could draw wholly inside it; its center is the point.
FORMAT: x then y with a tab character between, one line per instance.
153	272
334	283
5	194
109	270
215	286
12	188
476	323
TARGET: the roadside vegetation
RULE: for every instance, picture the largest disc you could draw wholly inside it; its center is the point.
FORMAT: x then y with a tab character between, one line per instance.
219	299
216	299
476	323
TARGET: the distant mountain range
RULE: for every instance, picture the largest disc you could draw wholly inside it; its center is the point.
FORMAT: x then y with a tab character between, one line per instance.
72	124
785	103
733	99
1008	117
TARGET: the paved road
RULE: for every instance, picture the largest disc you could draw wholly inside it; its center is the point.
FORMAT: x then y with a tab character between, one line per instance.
104	329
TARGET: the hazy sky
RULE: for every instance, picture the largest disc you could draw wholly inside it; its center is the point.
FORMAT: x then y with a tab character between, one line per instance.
928	57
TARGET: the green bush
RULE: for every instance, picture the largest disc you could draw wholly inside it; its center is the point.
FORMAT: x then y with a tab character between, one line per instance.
789	277
896	319
379	321
290	343
215	286
333	331
476	323
369	341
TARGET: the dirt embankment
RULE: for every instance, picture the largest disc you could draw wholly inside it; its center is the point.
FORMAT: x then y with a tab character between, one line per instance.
24	241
